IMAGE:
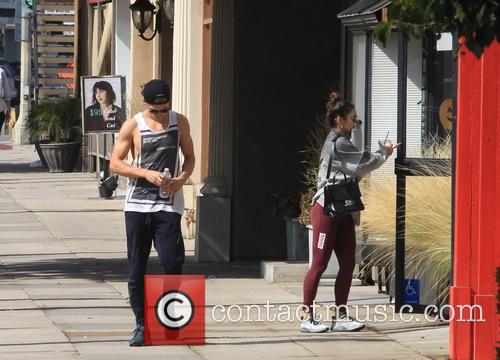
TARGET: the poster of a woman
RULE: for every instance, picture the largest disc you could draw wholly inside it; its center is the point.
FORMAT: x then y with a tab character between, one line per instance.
104	105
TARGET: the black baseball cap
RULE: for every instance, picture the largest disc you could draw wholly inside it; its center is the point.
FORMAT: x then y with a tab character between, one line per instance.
156	92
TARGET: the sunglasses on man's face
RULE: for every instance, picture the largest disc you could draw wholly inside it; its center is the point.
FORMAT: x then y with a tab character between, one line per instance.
158	111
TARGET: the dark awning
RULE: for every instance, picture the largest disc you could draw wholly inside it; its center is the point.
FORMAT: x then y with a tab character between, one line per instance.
364	7
363	13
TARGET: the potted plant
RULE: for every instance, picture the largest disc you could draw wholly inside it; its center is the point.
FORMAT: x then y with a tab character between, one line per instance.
54	126
287	206
295	206
311	161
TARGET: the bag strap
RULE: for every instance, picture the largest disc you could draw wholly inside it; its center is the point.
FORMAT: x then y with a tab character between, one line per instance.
330	160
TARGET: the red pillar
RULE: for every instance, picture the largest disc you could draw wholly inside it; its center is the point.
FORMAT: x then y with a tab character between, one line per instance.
477	205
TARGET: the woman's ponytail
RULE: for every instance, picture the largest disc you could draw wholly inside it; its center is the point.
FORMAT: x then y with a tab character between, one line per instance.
335	107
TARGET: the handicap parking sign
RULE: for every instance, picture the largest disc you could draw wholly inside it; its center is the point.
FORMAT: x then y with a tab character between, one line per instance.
412	291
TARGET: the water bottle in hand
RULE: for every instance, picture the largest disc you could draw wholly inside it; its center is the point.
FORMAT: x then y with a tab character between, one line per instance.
168	176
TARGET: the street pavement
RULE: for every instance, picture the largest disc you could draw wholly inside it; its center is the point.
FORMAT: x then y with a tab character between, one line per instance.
63	290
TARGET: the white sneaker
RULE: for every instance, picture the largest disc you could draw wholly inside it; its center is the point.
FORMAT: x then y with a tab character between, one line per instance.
312	326
346	323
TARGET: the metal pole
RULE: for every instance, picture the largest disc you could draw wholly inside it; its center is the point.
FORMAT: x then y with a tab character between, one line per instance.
453	151
400	177
20	134
368	89
35	50
105	165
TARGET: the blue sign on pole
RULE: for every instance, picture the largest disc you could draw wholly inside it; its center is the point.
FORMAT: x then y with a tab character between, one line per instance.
412	291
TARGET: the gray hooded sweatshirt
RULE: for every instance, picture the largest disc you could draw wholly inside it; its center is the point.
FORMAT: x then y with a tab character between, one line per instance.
348	159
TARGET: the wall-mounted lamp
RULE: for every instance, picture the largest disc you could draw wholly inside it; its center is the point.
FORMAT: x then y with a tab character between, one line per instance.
143	14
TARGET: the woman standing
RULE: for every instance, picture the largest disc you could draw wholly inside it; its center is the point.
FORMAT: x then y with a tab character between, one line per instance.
337	233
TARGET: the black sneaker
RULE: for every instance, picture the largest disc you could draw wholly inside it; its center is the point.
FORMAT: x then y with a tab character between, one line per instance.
138	338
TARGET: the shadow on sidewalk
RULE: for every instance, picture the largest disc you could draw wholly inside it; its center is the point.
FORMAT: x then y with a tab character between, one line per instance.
114	269
21	168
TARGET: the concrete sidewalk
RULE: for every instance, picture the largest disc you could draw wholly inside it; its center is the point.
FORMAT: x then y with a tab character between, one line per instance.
63	291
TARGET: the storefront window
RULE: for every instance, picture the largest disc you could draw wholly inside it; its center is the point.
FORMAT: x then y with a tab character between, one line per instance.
439	84
359	76
384	99
414	83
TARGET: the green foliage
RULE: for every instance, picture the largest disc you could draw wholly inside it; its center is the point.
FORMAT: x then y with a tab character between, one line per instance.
286	204
311	155
477	21
57	120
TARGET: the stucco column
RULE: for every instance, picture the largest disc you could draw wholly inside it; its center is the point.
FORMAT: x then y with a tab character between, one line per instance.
186	87
187	69
181	58
218	182
21	135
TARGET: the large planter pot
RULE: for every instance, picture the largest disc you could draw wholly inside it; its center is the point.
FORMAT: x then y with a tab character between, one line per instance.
40	153
60	157
296	240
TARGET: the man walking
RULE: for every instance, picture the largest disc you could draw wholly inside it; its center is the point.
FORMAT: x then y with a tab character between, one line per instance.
154	202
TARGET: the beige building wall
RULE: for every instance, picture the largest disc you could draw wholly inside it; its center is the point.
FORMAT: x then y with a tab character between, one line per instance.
142	69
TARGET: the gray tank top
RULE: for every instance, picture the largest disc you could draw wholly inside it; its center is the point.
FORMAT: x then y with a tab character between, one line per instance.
159	150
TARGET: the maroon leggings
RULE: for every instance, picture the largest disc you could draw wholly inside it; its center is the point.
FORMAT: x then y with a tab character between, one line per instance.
329	234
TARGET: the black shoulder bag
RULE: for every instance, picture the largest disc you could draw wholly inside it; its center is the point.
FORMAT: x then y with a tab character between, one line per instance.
344	197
